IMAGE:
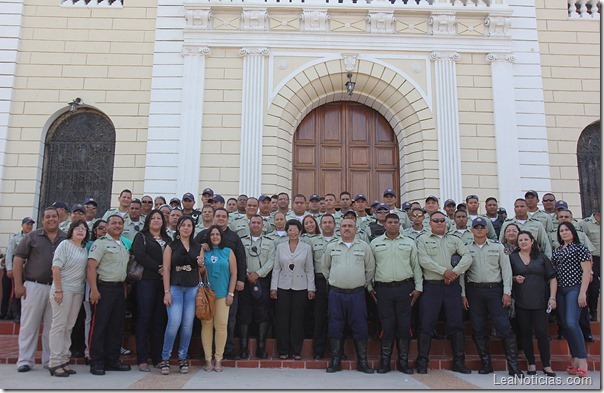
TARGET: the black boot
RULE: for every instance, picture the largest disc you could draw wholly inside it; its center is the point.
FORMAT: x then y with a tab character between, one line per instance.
511	355
402	346
335	363
482	345
243	341
385	356
361	347
261	344
459	354
343	355
424	341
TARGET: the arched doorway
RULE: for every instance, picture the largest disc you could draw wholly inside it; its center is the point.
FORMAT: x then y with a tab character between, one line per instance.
78	159
589	161
345	146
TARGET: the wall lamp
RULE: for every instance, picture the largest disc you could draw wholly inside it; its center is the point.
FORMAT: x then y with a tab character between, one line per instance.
74	104
350	84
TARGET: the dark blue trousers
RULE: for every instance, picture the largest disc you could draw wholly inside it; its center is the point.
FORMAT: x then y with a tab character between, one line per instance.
347	308
394	308
435	297
484	302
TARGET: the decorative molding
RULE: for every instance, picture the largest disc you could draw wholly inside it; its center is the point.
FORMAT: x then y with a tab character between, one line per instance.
254	19
498	26
195	50
507	57
254	51
445	56
199	19
380	22
350	61
314	20
442	24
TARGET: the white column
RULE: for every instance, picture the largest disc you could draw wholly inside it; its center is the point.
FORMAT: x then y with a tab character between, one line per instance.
447	124
506	131
190	134
252	114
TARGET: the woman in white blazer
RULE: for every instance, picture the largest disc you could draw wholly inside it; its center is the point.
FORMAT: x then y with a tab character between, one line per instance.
293	282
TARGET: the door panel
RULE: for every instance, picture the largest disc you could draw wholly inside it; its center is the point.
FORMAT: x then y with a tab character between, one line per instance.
345	146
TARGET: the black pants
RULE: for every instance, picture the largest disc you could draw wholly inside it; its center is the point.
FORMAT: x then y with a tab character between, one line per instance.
537	320
485	302
252	309
593	291
436	297
320	304
394	308
151	319
107	328
7	288
290	320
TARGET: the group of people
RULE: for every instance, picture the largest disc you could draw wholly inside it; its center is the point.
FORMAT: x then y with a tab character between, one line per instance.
269	261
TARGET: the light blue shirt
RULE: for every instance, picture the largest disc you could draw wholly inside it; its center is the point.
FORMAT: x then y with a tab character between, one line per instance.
217	266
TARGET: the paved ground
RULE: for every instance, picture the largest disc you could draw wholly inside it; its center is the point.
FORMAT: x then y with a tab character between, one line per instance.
280	379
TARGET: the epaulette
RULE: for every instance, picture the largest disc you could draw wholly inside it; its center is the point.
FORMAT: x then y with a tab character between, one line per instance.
245	237
494	241
267	237
509	219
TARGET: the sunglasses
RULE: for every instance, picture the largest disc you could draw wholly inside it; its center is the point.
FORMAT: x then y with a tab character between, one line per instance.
147	202
382	211
101	227
417	215
548	200
438	220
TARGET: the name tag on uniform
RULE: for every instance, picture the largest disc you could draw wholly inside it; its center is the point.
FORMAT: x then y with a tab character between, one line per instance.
358	253
380	246
335	253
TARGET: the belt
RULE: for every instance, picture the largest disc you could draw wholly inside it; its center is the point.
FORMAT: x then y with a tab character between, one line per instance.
110	283
346	290
40	282
484	284
435	282
392	283
183	267
319	275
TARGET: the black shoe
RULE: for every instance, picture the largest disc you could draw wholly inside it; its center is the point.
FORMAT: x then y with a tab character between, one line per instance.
97	371
77	354
118	367
54	373
531	372
23	369
549	374
589	338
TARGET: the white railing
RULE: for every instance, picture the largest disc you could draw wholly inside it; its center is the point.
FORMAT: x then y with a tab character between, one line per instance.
586	9
398	3
92	3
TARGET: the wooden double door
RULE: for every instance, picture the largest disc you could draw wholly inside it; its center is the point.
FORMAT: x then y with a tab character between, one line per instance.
345	146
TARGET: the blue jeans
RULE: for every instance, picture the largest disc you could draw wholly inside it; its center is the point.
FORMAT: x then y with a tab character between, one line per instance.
180	315
569	311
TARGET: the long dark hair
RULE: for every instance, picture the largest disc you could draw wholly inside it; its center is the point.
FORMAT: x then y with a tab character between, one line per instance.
180	221
94	228
534	248
207	237
75	224
162	231
572	229
317	231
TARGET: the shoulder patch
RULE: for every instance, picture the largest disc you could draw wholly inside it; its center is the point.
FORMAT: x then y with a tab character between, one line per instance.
93	248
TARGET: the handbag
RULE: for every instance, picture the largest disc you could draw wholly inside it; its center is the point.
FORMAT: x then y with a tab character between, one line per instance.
135	269
205	301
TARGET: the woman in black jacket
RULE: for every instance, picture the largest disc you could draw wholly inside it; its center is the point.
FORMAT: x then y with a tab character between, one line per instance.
148	248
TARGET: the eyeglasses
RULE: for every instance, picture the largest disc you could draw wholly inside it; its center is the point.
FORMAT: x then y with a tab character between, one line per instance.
548	200
101	227
147	202
438	220
417	215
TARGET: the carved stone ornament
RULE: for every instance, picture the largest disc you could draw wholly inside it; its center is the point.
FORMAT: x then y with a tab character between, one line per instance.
256	19
195	50
380	22
493	57
442	24
498	26
314	20
350	61
199	19
254	51
445	56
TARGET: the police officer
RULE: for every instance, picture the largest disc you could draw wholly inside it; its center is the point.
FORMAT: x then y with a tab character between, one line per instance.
348	266
14	307
526	223
314	206
449	207
264	209
122	210
376	228
363	219
532	199
591	227
319	244
491	209
418	228
241	225
107	266
461	230
254	301
441	290
188	201
298	208
91	207
488	292
472	205
134	222
390	200
398	283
